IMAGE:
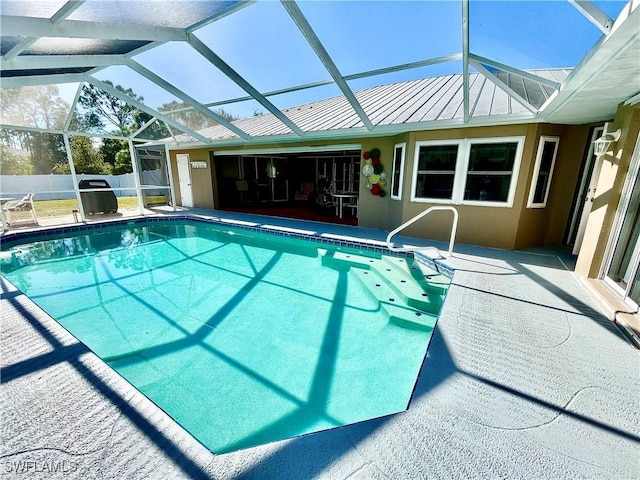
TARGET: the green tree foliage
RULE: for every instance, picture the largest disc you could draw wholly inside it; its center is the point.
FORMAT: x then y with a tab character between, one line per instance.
37	106
86	159
184	113
110	148
47	149
14	162
123	163
100	111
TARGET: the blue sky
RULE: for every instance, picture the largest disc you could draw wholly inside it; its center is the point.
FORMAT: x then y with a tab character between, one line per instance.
262	43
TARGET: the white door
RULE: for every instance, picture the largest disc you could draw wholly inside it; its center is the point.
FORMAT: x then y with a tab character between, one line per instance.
590	175
184	179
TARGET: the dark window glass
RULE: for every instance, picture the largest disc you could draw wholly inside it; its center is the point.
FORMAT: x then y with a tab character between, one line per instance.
434	186
489	188
544	173
436	171
397	170
490	171
492	157
440	157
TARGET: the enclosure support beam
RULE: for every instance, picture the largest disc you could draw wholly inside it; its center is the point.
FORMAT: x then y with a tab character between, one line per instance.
66	10
154	113
172	188
42	27
239	80
72	110
136	176
503	86
465	60
74	177
162	83
592	13
307	31
515	71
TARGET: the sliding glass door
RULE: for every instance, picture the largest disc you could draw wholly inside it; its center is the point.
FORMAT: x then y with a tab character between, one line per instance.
623	272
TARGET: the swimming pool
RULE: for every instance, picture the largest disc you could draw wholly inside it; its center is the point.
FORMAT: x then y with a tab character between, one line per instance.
241	336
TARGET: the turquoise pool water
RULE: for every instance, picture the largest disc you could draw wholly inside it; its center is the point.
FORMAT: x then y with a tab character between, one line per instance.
243	338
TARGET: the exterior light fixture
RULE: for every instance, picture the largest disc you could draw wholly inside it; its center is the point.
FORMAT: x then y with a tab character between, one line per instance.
602	144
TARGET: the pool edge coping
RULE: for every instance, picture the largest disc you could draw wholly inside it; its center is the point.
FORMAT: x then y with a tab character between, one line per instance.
14	238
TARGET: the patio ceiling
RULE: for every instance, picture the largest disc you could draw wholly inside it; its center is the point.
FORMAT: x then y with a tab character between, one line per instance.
77	41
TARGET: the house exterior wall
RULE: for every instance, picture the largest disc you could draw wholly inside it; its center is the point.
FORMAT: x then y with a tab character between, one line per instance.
566	178
202	179
615	169
495	226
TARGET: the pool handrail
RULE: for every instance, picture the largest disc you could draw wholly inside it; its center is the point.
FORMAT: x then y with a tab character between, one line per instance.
454	228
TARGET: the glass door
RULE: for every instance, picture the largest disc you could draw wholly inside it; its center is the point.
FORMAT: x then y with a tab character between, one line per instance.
623	272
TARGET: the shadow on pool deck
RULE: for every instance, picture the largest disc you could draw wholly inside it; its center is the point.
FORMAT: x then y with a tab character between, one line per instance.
523	378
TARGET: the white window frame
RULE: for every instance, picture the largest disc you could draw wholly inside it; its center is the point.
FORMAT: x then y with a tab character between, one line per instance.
462	167
403	162
416	155
536	171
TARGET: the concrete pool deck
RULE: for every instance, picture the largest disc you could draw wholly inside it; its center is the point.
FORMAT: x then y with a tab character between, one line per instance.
524	378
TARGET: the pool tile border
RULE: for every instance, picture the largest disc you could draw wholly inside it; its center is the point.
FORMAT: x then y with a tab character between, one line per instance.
10	239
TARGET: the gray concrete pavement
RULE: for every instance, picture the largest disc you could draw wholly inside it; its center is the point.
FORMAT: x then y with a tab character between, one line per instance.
524	378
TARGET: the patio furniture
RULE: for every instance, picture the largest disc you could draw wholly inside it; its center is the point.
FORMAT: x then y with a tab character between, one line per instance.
14	208
306	189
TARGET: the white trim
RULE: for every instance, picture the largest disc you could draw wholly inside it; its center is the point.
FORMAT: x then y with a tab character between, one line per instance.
278	150
519	140
462	170
403	162
626	194
414	178
632	100
536	171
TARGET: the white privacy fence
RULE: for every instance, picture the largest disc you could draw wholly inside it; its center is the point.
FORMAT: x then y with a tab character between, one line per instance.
58	187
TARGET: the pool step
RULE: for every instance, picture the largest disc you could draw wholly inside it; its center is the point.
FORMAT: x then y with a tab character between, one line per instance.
399	312
413	289
421	273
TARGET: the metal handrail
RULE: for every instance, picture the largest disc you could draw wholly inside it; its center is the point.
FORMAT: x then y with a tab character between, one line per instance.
454	228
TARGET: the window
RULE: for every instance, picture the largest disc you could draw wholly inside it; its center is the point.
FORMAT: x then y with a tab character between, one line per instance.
397	171
489	171
543	171
435	167
469	171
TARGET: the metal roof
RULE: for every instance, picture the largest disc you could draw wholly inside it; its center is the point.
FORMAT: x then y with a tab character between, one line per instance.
65	41
417	102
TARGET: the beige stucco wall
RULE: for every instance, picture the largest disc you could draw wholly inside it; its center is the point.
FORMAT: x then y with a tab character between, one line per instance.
375	211
571	153
202	179
546	226
504	227
478	225
614	171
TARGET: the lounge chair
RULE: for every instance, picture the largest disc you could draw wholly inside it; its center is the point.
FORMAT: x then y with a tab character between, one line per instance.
13	209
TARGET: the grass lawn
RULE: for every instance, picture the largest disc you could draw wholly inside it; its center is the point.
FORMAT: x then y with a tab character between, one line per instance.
54	208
